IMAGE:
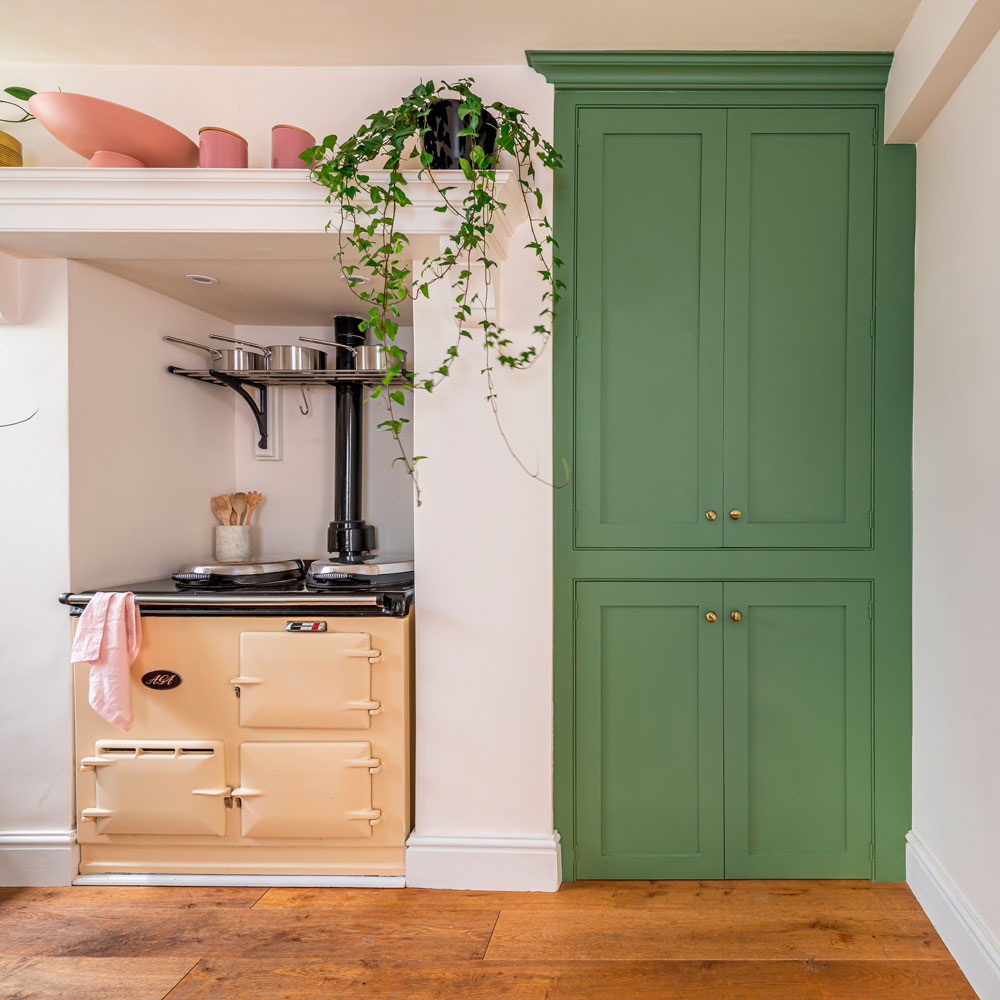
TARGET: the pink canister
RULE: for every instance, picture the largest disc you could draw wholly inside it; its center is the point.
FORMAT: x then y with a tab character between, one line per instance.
218	147
287	142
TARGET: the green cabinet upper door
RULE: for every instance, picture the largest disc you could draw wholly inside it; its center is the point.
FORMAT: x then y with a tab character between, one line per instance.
798	730
798	340
649	325
648	730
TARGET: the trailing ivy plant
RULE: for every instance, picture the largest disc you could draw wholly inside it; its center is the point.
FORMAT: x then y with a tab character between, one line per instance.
366	176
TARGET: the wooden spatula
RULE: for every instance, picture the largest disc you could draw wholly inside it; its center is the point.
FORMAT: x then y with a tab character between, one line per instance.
239	507
253	499
222	508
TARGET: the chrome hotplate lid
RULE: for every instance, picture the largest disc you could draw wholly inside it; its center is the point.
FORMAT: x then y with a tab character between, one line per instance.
390	571
392	566
253	567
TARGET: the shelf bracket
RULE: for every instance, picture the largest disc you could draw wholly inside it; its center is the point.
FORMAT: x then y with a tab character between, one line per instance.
258	406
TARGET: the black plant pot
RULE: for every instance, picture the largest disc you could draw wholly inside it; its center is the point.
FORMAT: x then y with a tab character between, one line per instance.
444	143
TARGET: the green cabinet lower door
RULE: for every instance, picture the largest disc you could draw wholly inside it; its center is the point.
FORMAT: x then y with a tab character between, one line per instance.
649	730
798	730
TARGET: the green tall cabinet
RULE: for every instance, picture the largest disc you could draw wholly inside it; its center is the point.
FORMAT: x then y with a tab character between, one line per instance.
733	372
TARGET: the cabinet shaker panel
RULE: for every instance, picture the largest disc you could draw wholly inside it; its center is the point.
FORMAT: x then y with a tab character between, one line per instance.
649	328
799	307
649	730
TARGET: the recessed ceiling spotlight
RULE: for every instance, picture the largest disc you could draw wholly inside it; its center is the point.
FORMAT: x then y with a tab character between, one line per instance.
358	279
202	279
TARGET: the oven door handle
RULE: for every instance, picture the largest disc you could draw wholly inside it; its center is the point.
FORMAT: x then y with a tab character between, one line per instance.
87	763
372	707
245	793
374	816
91	814
374	764
369	654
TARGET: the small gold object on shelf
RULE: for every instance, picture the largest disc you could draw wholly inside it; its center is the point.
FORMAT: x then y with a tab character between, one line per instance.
10	151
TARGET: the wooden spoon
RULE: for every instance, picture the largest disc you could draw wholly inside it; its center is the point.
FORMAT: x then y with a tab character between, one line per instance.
239	507
222	508
253	499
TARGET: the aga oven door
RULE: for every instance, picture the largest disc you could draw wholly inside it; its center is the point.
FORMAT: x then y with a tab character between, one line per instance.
307	790
156	787
301	680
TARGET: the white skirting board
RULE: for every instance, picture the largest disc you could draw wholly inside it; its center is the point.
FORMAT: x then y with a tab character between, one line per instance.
524	862
973	946
42	857
264	881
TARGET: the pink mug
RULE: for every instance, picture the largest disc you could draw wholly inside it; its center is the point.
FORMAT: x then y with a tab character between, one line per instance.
218	147
287	142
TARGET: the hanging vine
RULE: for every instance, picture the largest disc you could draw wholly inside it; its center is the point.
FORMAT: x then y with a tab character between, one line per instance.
373	251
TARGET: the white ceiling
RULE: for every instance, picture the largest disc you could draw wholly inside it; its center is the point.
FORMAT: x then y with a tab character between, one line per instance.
433	32
255	292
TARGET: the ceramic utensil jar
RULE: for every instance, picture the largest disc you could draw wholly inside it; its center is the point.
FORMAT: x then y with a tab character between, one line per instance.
232	542
218	147
287	142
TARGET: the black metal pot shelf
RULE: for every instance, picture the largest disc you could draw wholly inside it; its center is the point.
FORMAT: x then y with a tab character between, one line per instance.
241	383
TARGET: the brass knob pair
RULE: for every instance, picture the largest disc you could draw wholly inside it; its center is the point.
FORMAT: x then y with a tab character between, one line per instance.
711	616
711	515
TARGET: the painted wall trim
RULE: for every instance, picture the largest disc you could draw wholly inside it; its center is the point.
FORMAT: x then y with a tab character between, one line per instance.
638	70
264	881
38	857
526	862
942	43
963	932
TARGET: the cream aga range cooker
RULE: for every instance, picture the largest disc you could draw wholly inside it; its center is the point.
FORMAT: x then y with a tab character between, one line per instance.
272	706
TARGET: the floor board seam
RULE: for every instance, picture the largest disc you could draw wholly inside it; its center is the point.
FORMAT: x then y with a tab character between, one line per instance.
181	980
489	940
259	899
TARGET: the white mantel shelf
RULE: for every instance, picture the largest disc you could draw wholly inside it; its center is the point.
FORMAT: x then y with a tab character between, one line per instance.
260	214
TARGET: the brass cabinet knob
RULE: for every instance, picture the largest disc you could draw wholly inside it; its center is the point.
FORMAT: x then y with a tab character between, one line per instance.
711	515
711	616
735	514
737	616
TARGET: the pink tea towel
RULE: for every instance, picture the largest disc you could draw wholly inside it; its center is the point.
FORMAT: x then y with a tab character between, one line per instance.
108	636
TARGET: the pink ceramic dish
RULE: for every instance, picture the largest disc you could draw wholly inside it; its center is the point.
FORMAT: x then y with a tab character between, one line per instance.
287	141
110	134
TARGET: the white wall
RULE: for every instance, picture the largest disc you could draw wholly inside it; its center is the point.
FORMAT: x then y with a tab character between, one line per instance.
483	536
299	487
147	449
483	543
956	485
36	720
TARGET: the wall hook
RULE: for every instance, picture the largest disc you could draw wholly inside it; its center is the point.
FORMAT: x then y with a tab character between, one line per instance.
305	399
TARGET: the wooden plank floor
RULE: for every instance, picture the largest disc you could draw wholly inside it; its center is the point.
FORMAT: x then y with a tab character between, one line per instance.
617	940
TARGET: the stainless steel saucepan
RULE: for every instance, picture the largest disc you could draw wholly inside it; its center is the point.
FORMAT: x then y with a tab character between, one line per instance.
283	357
367	357
224	360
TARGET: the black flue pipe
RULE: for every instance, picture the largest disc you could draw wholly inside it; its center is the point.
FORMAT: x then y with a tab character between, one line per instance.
350	538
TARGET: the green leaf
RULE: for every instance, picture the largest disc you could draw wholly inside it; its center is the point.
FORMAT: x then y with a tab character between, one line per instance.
21	93
466	168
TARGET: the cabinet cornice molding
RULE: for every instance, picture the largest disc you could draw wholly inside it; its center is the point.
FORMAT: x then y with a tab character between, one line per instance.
700	71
